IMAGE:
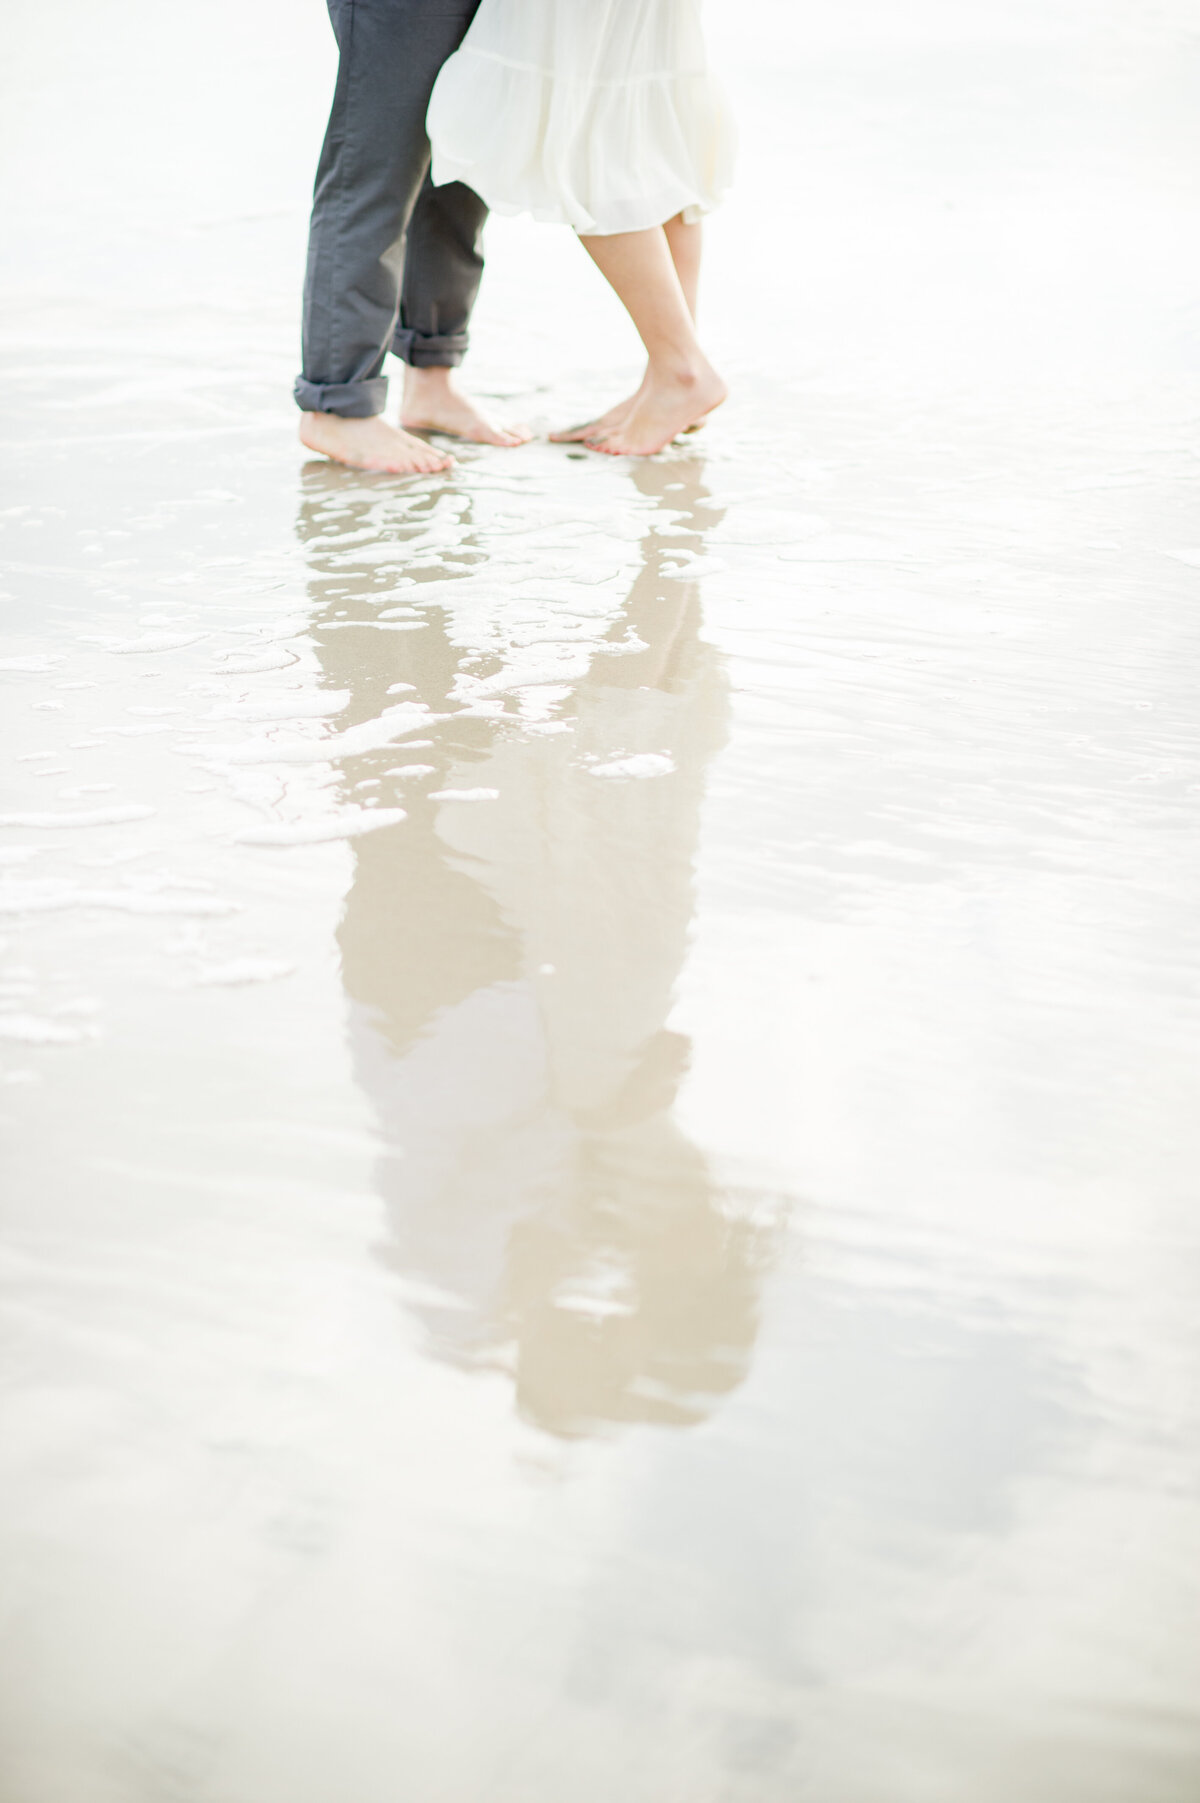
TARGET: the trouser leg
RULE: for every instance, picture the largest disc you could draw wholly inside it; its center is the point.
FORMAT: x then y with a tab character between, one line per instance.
442	270
372	170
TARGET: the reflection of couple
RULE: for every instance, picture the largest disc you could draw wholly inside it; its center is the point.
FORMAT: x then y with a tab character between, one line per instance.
598	114
511	965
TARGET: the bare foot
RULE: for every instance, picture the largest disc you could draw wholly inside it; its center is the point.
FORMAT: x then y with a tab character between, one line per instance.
433	402
370	444
592	429
670	403
607	422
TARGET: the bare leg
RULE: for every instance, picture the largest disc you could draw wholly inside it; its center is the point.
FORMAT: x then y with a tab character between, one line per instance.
433	402
370	444
685	243
681	385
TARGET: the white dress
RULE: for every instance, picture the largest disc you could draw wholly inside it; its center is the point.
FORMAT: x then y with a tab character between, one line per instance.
598	114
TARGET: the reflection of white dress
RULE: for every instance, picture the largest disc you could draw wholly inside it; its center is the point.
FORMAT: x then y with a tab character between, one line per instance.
599	114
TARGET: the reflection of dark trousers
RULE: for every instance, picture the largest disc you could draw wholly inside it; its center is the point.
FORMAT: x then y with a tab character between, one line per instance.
393	262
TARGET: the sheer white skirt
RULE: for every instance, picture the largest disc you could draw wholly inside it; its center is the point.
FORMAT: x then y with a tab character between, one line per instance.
598	114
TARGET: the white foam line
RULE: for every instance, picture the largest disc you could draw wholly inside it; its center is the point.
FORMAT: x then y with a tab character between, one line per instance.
158	437
243	970
319	705
94	817
375	625
34	1029
50	897
147	642
320	832
370	735
639	764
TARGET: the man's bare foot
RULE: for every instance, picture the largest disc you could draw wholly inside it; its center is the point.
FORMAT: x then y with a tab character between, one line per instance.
670	402
607	422
433	402
370	444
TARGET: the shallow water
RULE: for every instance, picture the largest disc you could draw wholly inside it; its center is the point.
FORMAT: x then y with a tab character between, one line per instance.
600	1058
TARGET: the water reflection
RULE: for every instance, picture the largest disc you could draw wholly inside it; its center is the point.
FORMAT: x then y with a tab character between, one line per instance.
510	966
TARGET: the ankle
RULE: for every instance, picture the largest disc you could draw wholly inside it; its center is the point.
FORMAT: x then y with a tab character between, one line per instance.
431	378
685	371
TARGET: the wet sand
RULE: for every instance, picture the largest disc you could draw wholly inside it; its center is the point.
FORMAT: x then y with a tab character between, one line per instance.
599	1058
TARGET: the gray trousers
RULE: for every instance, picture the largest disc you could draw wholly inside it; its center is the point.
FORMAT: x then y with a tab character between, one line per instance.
393	262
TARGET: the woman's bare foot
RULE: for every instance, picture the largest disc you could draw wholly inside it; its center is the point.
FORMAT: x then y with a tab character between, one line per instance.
370	444
433	402
607	422
593	429
670	402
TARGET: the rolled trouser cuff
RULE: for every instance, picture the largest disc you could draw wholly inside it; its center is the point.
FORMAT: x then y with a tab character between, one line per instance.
429	350
353	400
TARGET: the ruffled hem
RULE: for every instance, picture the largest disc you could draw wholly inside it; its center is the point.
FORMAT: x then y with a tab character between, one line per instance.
599	154
634	216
